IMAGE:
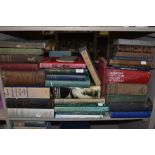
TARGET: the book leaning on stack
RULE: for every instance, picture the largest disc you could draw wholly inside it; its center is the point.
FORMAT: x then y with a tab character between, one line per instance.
26	96
128	74
75	95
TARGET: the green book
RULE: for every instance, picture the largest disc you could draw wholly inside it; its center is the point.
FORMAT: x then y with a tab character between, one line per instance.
68	83
4	51
125	98
82	109
79	105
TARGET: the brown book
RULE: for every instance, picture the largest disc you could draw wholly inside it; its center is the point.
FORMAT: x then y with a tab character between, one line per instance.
25	58
132	54
90	66
130	63
127	89
23	78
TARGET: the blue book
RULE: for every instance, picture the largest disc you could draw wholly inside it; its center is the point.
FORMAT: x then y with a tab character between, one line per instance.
135	114
59	53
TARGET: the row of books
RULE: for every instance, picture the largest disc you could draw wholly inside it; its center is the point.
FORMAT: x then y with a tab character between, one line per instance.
127	78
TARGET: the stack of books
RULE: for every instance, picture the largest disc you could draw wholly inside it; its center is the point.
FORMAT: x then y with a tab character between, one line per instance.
127	78
69	77
23	80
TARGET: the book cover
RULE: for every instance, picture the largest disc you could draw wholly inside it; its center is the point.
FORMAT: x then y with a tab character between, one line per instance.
92	92
59	53
18	66
131	106
8	51
23	44
126	89
134	114
23	78
52	63
27	92
90	65
19	58
127	76
125	98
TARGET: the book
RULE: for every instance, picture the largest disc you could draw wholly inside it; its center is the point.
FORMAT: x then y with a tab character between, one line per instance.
126	89
90	65
1	105
65	77
134	42
23	78
99	109
59	53
125	98
131	106
91	93
90	104
131	63
27	92
103	75
30	113
133	114
39	103
68	83
67	59
8	51
23	44
66	71
127	76
52	63
18	66
19	58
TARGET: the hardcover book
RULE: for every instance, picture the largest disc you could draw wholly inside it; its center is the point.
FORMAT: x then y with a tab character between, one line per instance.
59	53
127	89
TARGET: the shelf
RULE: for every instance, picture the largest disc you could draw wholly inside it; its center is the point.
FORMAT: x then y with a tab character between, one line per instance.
78	28
2	116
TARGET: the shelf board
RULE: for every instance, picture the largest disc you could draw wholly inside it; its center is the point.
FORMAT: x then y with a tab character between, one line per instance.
78	28
2	115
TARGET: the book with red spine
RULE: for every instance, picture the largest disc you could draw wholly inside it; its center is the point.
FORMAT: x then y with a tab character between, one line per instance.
18	66
127	76
53	63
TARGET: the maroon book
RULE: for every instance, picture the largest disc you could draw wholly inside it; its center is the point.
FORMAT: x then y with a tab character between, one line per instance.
18	67
53	63
127	76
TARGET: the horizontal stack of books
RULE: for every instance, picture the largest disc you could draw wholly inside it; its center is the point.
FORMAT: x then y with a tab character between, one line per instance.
23	81
127	78
70	80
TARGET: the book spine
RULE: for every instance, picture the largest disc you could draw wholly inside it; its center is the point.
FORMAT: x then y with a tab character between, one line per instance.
81	109
8	51
125	98
60	83
127	89
27	92
30	113
1	105
130	63
78	101
19	67
22	44
132	58
23	78
127	76
59	53
65	77
28	103
66	71
19	58
61	65
78	105
137	114
90	66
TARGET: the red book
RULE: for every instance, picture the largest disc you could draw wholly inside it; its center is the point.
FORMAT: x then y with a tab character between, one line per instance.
102	75
127	76
52	63
18	67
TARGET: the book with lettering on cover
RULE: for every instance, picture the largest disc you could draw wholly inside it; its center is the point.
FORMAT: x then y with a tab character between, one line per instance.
23	78
126	89
127	76
53	63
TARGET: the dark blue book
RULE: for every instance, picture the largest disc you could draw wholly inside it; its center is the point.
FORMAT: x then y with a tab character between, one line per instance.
65	77
135	114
